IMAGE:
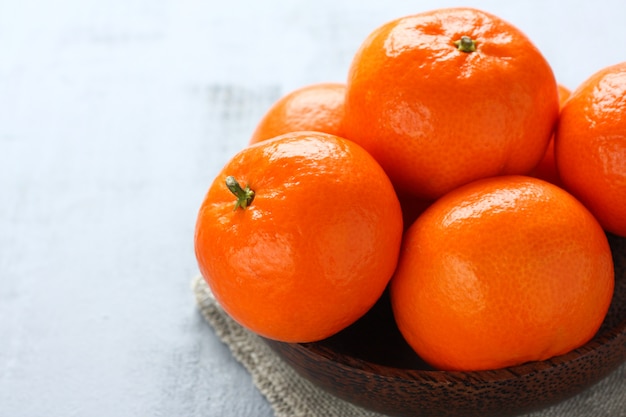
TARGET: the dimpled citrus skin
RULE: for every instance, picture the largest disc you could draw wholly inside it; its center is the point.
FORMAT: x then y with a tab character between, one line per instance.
314	249
546	168
500	272
590	146
436	117
316	107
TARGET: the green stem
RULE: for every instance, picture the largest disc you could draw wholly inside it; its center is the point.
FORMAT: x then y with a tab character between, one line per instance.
465	44
244	195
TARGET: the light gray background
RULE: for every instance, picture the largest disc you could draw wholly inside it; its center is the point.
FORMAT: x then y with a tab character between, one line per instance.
114	117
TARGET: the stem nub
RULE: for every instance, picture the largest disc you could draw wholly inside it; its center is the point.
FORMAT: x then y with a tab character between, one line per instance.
244	195
465	44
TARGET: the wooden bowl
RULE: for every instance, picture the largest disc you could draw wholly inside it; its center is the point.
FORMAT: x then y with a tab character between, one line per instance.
369	364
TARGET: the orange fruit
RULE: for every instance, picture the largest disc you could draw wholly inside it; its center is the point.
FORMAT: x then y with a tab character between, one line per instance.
316	107
546	169
590	146
448	96
312	242
499	272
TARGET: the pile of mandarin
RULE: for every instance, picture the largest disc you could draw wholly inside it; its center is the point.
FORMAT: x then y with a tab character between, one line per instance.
451	169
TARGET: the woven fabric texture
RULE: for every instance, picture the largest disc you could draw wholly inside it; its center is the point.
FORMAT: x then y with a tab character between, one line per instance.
292	396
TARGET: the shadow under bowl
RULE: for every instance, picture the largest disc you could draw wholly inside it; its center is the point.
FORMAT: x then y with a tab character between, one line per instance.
369	364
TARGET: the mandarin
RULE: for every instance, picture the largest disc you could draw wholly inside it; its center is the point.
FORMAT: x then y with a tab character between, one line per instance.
448	96
546	169
590	146
499	272
315	107
310	240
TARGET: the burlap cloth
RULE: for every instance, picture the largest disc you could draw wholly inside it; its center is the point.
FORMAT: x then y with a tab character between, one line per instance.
292	396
